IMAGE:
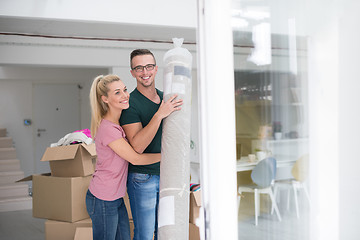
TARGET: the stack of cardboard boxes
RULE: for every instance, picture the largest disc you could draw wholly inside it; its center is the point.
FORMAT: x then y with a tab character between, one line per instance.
60	196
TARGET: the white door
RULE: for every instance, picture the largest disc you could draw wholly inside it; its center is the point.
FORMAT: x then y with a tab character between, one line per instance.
56	113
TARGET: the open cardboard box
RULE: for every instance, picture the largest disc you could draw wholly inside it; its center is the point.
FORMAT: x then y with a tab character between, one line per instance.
59	198
195	204
77	160
194	233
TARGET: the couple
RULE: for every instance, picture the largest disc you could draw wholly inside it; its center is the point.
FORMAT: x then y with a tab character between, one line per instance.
116	146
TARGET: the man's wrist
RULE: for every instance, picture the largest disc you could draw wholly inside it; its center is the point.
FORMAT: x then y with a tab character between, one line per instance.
157	117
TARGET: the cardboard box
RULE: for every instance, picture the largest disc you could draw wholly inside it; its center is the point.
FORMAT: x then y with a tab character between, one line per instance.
83	233
77	160
131	222
59	198
195	204
59	230
127	205
194	233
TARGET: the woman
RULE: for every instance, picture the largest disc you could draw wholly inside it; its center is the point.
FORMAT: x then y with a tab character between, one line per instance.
104	199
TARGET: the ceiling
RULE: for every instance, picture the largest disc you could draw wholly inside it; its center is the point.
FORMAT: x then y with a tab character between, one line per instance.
88	29
92	29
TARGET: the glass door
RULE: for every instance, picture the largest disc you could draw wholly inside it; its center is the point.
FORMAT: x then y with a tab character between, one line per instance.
272	118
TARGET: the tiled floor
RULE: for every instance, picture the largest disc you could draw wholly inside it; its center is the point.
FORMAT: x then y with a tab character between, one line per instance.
269	228
20	225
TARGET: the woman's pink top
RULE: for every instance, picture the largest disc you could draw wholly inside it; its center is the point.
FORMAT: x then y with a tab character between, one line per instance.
109	180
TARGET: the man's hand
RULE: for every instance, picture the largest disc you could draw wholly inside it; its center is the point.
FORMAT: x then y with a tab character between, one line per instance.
171	105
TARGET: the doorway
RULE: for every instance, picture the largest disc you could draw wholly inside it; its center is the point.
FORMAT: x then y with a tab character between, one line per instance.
56	113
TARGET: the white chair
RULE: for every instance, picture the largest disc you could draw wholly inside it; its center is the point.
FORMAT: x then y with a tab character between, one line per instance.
262	176
299	172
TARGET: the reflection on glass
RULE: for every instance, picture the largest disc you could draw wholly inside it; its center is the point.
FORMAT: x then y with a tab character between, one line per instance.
270	61
261	36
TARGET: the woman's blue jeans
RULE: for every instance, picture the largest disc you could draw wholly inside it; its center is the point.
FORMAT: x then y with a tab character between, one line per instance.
110	220
143	191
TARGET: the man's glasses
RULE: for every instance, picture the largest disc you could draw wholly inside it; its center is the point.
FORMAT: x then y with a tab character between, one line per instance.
140	68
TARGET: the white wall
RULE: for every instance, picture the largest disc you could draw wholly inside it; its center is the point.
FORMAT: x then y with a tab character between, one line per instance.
157	12
349	119
15	106
16	103
334	51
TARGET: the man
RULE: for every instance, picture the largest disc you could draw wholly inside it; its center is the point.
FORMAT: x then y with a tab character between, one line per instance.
142	125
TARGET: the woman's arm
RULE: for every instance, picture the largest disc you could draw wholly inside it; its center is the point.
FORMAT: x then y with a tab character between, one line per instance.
125	151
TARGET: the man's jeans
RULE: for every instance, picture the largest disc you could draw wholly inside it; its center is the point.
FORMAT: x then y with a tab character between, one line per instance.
143	191
109	218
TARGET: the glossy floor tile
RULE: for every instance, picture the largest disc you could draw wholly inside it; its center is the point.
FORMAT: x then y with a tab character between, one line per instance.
20	225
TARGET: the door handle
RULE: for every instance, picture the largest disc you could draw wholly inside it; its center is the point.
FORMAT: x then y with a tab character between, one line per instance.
39	130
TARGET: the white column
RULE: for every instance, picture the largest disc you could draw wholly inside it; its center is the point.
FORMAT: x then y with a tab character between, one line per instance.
324	132
217	119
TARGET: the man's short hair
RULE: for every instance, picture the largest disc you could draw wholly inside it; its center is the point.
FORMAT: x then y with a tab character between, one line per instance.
138	52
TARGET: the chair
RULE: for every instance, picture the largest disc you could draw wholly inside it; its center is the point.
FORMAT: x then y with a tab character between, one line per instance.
262	176
299	172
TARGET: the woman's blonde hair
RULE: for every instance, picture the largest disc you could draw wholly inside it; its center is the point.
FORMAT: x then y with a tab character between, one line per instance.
99	108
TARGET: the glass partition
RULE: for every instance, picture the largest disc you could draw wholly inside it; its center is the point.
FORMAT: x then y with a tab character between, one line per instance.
271	106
